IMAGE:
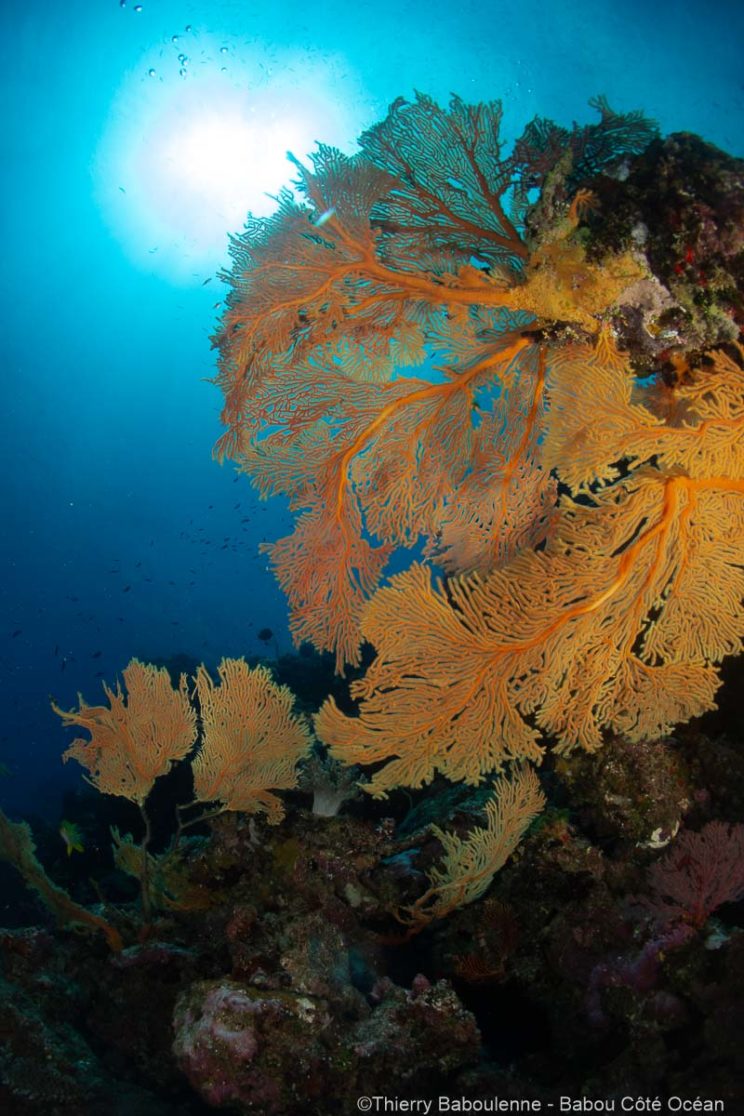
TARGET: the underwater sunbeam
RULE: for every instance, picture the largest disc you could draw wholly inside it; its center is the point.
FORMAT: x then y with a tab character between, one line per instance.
183	160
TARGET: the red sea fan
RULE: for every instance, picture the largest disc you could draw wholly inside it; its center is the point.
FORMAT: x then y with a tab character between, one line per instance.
699	873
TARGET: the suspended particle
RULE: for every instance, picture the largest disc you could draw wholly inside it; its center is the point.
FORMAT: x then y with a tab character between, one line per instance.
326	216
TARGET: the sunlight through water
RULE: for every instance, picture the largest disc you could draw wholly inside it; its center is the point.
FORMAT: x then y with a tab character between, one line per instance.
188	153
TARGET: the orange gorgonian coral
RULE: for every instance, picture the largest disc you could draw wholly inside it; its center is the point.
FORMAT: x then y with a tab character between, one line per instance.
433	363
144	729
251	741
420	262
617	622
469	864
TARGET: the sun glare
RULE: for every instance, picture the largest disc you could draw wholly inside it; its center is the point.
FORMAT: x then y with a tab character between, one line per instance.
185	158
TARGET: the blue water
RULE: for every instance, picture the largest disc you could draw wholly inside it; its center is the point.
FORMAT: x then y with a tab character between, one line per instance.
121	536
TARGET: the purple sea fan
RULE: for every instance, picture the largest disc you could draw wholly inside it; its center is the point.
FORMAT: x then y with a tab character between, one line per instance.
698	873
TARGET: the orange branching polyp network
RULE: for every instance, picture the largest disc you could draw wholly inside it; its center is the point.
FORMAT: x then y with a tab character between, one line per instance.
559	617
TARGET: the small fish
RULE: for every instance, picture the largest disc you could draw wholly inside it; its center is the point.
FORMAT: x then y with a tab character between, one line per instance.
16	633
72	837
325	216
126	588
122	190
96	654
209	280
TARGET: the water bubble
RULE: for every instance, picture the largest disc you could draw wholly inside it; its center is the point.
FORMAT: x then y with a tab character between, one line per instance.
151	72
187	28
223	50
122	3
174	38
138	7
183	59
